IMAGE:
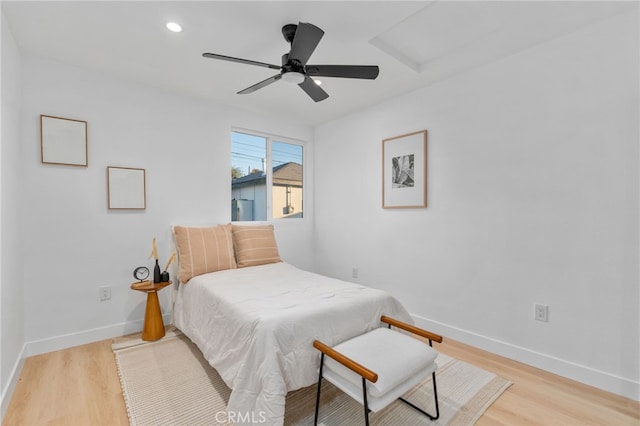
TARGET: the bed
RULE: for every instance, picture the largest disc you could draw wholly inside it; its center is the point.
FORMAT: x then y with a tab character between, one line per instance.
256	326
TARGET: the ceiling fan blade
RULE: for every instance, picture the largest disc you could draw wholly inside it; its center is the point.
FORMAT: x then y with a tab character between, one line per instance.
242	61
345	71
313	90
305	42
260	85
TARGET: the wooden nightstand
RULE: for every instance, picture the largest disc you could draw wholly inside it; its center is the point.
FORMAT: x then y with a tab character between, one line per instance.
153	324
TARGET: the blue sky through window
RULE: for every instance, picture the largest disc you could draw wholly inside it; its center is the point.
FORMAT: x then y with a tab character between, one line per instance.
249	152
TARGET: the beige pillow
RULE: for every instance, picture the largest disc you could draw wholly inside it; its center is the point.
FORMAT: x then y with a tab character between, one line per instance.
202	250
255	245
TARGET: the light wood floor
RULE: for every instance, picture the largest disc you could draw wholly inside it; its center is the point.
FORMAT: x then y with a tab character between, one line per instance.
80	386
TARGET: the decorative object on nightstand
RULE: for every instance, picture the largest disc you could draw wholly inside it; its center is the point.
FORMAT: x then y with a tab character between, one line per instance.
164	276
156	273
156	268
141	273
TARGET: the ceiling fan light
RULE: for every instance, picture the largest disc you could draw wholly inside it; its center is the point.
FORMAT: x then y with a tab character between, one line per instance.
293	77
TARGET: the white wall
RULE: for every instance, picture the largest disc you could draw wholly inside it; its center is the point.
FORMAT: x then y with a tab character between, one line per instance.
11	284
532	198
74	244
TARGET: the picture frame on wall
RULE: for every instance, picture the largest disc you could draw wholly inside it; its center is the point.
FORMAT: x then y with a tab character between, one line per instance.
126	188
404	171
63	141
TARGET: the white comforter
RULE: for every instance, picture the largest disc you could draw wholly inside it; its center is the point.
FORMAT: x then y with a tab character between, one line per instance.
256	327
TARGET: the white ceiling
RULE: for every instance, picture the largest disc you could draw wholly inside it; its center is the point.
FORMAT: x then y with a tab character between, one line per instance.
415	43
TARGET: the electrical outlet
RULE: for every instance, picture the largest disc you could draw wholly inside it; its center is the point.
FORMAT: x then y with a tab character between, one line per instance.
541	312
354	272
105	293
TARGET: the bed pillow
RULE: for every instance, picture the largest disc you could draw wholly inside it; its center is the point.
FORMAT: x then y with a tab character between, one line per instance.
202	250
255	245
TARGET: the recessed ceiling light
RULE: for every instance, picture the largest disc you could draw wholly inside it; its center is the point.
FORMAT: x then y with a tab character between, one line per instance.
172	26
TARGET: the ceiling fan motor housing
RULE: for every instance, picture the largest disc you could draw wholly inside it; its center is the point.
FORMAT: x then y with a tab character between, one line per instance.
289	32
292	70
292	65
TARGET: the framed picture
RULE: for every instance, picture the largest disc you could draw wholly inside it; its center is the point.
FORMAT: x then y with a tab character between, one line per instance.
126	188
404	171
63	141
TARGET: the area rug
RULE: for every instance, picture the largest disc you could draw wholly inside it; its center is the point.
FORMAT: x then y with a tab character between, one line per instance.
168	382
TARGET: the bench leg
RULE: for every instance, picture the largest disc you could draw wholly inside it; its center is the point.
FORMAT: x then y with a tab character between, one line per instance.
315	421
364	395
435	396
364	400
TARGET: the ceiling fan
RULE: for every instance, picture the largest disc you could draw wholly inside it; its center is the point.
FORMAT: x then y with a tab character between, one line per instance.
304	39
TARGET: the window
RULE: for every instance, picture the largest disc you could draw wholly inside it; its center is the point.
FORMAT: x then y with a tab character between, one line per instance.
266	177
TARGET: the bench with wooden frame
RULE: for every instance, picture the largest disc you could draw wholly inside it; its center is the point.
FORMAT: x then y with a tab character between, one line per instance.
401	361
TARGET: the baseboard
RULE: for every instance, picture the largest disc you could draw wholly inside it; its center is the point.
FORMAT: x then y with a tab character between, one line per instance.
597	378
65	341
7	392
581	373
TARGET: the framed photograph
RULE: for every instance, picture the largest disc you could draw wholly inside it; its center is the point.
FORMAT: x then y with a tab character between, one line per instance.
126	188
63	141
404	171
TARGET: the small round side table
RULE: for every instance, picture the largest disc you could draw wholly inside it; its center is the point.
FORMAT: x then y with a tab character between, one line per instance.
153	324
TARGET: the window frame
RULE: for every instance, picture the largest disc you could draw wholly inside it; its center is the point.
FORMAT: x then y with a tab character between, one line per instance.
270	138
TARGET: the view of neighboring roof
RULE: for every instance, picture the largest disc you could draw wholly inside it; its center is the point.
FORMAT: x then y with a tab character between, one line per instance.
283	174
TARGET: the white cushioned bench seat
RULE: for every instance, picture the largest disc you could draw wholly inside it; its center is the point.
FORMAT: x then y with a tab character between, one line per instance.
400	361
380	366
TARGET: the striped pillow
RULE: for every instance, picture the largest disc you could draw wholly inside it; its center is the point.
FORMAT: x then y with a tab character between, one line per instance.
202	250
255	245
